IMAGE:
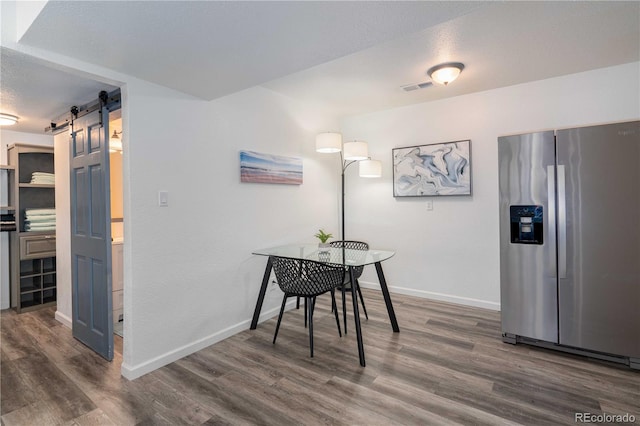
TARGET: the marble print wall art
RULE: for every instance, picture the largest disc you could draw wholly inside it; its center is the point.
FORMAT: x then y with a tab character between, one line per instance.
266	168
429	170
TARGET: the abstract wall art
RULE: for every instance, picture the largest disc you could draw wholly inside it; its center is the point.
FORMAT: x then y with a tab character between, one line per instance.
432	170
266	168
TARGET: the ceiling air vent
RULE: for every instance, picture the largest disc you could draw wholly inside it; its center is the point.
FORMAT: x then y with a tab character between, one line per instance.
412	87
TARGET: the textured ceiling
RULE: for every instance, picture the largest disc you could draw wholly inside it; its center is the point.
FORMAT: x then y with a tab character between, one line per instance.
501	45
38	92
348	57
211	48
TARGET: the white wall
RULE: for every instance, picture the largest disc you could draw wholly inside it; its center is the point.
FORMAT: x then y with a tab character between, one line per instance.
190	278
63	228
8	137
452	252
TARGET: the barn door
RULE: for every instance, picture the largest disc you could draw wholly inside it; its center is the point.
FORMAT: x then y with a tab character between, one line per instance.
90	234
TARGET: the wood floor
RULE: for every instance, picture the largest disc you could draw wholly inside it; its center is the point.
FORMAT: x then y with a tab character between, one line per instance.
447	365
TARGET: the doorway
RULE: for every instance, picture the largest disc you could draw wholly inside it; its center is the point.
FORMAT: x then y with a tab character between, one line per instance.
90	152
117	219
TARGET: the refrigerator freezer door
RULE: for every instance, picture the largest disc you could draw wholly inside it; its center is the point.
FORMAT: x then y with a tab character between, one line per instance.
599	300
528	283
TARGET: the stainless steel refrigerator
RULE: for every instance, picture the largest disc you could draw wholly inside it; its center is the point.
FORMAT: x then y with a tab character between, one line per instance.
570	240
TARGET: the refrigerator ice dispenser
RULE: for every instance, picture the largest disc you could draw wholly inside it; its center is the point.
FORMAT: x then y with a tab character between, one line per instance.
526	224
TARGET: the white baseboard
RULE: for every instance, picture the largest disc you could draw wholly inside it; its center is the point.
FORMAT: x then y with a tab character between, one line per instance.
133	372
65	320
467	301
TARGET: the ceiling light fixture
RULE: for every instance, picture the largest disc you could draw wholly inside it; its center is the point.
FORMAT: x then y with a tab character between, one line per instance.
445	73
7	119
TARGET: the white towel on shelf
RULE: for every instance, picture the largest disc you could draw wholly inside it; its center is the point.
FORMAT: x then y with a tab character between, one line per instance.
40	218
40	225
42	181
40	212
44	222
43	218
43	178
39	228
29	227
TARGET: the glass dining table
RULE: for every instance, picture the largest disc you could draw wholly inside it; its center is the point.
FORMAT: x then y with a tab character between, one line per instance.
336	256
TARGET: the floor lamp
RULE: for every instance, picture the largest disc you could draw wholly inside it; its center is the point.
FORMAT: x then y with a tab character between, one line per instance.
350	152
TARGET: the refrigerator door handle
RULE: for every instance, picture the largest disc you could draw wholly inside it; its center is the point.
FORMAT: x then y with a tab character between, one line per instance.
551	219
562	224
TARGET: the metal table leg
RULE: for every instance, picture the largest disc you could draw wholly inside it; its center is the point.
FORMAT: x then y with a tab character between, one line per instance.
263	290
356	316
387	298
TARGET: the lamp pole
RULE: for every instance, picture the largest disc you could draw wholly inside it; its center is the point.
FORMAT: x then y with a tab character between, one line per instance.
344	165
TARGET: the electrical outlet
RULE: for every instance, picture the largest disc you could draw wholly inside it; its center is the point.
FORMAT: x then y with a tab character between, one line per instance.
429	205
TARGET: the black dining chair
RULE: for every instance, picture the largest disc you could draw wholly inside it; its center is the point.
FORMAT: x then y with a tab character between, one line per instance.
357	272
308	279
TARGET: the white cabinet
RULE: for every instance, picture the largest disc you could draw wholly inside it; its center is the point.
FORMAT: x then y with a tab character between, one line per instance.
117	280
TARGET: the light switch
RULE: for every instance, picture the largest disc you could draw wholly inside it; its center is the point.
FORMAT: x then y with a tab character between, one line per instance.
163	198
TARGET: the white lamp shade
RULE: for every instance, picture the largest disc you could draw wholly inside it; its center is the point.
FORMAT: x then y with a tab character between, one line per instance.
356	150
329	142
115	145
445	73
370	168
7	119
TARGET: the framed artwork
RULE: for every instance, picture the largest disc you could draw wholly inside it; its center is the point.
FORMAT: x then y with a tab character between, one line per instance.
266	168
432	170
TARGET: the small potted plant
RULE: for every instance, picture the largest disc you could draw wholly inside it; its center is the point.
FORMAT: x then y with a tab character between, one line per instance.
323	237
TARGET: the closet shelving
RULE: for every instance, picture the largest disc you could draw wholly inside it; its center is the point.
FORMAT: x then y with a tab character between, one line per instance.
32	253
